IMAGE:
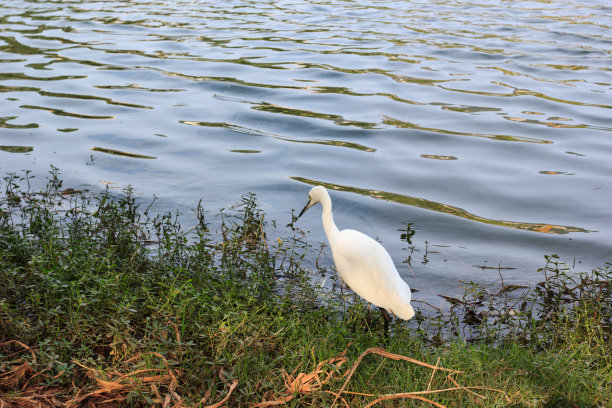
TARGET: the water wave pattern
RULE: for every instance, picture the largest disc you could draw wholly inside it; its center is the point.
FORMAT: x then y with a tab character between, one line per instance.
510	98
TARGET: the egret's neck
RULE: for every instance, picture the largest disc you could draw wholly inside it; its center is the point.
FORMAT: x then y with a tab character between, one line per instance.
328	219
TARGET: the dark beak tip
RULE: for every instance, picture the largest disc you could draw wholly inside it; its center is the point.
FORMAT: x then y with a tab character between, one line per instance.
301	213
303	210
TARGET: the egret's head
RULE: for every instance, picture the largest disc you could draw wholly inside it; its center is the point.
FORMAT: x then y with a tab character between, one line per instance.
316	195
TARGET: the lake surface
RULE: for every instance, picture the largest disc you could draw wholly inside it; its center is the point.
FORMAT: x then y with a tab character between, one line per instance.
485	124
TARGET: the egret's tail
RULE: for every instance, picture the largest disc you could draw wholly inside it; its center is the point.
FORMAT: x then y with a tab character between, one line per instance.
405	312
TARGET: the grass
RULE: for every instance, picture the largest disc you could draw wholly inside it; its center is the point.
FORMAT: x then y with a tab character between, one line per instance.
104	303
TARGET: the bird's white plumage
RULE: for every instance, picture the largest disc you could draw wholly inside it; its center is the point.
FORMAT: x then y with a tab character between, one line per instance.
362	263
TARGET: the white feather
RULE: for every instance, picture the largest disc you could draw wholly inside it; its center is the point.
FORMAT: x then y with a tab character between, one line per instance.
362	263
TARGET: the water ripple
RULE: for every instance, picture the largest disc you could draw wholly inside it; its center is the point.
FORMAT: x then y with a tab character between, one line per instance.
486	105
445	208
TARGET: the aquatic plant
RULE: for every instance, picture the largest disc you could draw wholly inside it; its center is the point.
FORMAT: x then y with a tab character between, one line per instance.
105	301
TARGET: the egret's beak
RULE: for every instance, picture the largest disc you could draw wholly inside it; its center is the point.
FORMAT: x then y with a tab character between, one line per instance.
310	204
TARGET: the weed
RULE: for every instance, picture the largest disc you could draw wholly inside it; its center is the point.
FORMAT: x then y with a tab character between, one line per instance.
102	301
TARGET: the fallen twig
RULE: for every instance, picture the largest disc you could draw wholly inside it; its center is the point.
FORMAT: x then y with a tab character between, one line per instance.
406	395
305	383
23	346
432	374
384	353
224	400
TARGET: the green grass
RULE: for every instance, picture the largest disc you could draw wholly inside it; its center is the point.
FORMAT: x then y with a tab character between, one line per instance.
111	302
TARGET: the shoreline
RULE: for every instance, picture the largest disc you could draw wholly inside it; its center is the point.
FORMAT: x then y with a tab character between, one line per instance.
105	302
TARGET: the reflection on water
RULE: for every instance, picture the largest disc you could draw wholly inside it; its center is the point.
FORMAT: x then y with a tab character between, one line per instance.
337	119
121	153
61	112
245	151
504	138
17	149
444	208
438	157
255	132
485	105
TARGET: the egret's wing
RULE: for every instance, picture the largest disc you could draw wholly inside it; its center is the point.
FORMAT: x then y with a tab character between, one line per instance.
366	267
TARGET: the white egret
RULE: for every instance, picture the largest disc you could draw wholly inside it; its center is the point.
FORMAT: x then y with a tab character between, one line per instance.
362	263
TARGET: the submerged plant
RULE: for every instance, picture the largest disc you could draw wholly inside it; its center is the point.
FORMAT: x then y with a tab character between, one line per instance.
564	308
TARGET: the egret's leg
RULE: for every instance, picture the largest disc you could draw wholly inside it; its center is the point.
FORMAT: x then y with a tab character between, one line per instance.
386	318
368	317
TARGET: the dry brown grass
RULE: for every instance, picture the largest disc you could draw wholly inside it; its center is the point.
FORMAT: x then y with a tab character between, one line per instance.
21	386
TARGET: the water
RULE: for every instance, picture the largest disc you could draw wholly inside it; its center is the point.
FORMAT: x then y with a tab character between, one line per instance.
487	125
